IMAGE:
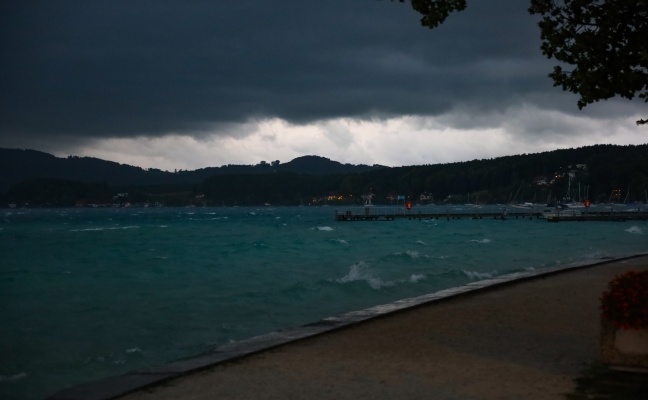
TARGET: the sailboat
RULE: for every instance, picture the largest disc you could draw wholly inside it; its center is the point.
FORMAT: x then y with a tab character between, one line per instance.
567	207
569	202
524	205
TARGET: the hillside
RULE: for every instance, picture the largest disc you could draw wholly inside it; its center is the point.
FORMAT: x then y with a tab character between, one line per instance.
21	165
601	173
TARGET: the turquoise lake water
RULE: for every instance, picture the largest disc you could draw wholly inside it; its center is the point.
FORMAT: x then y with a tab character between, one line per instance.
91	293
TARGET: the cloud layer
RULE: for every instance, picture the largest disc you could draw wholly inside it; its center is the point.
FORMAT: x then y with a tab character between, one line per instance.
267	79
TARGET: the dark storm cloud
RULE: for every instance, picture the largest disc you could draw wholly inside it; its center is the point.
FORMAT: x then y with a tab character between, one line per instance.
125	68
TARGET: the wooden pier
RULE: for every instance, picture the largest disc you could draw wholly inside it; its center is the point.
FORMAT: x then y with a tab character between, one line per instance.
419	215
370	214
610	217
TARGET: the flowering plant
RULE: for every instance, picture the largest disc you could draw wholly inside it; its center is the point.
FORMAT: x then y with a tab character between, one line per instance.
626	301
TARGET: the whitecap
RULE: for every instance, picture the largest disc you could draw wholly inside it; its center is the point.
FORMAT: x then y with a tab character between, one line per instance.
324	228
362	272
413	254
99	229
341	241
12	378
417	278
99	359
481	240
635	229
252	213
134	350
421	242
478	275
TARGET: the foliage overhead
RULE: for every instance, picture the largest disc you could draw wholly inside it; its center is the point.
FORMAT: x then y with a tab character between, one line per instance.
605	42
435	11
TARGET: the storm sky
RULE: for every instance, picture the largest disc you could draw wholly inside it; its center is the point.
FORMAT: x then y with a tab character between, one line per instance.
190	84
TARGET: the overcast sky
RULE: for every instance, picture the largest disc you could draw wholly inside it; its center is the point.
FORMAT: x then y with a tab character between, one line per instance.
190	84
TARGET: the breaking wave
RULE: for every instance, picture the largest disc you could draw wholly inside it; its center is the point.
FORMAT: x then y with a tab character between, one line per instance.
98	229
413	254
474	275
481	240
635	229
362	272
13	378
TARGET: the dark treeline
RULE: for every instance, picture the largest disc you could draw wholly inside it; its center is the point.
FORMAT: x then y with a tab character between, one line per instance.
602	173
18	165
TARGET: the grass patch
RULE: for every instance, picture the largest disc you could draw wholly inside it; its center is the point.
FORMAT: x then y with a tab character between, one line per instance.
598	382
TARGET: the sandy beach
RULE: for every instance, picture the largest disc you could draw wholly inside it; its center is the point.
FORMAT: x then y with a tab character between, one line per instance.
525	340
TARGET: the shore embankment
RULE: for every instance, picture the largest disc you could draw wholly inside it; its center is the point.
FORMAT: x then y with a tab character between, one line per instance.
524	337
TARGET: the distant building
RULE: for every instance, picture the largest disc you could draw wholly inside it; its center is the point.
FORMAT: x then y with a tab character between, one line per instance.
541	181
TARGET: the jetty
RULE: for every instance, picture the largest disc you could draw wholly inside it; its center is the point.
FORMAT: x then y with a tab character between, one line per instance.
393	213
600	216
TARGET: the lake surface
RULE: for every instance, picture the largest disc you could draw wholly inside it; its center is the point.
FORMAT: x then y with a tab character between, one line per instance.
91	293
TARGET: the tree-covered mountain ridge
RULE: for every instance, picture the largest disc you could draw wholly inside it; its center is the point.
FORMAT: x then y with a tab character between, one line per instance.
18	165
602	173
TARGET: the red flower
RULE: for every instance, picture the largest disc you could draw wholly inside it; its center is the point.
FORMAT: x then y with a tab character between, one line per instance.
626	300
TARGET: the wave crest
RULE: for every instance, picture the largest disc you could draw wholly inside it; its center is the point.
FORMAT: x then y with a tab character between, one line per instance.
481	240
99	229
635	229
12	378
362	272
474	275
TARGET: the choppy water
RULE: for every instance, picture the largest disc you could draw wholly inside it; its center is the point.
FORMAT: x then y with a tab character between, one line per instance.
91	293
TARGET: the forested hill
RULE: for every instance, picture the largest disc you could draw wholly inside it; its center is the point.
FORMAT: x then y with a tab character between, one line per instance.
602	173
21	165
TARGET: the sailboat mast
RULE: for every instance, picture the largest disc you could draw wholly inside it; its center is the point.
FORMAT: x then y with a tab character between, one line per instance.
627	194
579	193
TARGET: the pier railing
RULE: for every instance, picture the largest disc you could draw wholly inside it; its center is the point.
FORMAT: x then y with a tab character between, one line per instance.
392	213
423	213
